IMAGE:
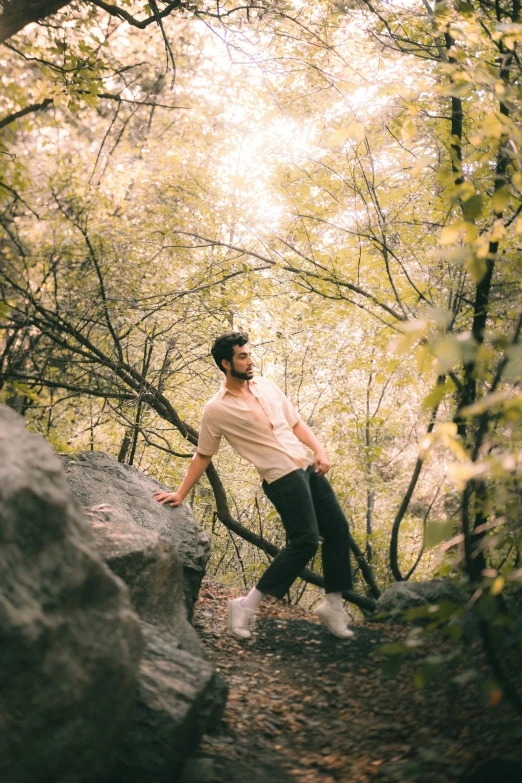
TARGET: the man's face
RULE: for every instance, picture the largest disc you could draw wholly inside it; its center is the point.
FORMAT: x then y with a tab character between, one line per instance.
242	364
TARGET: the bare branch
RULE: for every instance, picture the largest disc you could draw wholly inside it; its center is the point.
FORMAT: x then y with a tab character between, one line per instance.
34	107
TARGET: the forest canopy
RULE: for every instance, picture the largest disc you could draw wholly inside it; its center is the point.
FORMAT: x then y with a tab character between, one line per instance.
341	180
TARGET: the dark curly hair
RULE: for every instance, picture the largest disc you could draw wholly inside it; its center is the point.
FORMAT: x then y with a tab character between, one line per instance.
223	347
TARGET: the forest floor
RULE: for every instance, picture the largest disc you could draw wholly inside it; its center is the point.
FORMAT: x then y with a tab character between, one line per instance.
306	707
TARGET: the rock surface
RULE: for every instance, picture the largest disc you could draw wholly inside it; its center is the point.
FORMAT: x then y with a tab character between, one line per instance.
70	643
151	569
180	695
407	595
98	479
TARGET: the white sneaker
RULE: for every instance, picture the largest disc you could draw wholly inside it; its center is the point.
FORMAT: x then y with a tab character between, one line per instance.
336	620
240	619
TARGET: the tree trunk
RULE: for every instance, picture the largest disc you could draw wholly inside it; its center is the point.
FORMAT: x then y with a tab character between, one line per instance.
19	13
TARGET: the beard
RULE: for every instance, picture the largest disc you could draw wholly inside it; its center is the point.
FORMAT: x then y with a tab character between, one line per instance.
242	376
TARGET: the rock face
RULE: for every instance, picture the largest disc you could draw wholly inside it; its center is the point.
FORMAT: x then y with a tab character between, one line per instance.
152	570
70	643
406	595
98	479
179	699
180	695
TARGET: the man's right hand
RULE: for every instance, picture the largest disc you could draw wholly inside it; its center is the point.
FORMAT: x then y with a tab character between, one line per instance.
174	498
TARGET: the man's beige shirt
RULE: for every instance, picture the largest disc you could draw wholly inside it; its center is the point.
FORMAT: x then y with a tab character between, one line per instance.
273	452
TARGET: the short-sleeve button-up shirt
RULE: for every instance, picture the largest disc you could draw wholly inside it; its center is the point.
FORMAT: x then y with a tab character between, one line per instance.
275	451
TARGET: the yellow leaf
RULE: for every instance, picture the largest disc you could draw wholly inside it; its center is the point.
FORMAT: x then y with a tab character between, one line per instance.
472	207
421	355
517	180
445	176
354	130
420	165
447	351
437	532
466	190
518	225
461	473
338	138
450	234
477	268
470	231
499	229
495	697
357	128
497	585
447	428
500	200
493	126
409	129
434	397
455	447
482	247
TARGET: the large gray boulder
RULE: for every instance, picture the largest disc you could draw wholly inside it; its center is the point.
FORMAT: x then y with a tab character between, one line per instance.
408	595
98	479
70	643
180	695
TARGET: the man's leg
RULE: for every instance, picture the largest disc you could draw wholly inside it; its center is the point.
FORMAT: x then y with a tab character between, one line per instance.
333	528
292	498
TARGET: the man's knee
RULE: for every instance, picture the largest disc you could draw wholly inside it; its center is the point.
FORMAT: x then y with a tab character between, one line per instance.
307	546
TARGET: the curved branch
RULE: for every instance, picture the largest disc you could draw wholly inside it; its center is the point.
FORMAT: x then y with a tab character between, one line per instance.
115	10
394	540
34	107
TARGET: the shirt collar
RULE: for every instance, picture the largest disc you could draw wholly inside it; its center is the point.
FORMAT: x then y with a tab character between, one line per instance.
223	390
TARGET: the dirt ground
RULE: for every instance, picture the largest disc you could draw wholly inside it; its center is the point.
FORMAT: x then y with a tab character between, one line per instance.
306	707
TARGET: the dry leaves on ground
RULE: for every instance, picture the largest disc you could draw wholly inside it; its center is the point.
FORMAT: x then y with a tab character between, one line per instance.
307	707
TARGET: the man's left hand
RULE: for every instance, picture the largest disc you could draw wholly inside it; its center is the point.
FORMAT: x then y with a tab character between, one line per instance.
322	463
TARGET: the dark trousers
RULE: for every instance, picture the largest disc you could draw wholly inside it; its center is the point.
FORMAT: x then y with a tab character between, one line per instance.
308	508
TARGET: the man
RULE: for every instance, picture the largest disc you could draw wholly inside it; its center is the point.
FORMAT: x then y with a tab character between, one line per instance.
263	426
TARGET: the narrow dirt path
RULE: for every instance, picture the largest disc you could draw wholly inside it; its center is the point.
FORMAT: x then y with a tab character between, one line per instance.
305	707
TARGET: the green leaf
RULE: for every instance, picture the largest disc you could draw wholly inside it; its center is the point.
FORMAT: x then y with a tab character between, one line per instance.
391	666
394	648
430	755
454	631
437	532
418	679
435	396
472	208
500	200
465	8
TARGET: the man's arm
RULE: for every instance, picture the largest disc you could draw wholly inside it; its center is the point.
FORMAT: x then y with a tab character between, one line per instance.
306	436
197	467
